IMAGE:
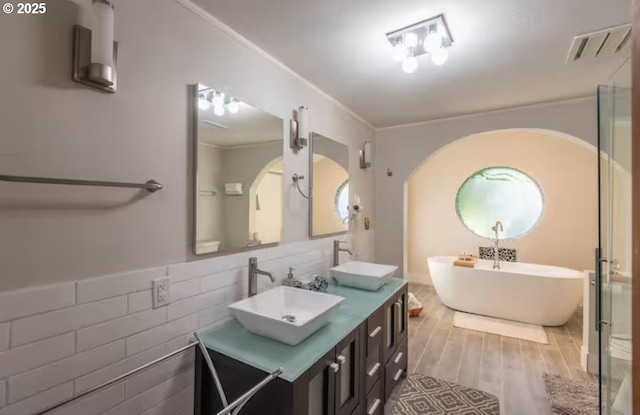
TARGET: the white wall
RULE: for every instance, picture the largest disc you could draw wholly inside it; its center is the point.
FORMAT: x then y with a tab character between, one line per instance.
402	149
566	170
56	234
210	215
54	127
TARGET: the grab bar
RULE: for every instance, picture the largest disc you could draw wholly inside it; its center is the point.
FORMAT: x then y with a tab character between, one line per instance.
151	185
229	409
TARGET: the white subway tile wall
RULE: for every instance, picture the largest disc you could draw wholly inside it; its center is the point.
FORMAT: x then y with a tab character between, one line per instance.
61	340
4	336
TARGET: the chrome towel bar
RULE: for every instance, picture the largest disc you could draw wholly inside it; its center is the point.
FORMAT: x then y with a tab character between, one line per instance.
116	380
228	409
151	185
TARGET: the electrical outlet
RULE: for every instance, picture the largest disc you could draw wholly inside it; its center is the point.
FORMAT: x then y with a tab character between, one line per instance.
161	292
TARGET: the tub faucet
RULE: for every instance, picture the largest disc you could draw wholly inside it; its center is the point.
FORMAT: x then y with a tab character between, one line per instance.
337	250
496	247
253	276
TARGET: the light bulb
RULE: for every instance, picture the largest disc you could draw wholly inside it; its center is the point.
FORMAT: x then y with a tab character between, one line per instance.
433	42
439	56
411	40
218	110
410	65
400	52
203	104
218	99
233	107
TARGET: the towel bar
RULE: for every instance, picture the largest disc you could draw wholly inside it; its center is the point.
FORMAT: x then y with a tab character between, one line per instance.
229	409
151	185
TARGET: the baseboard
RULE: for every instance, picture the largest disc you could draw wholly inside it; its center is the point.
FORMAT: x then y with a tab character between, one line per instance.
588	361
417	278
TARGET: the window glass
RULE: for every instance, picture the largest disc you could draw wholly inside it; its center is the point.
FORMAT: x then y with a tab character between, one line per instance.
342	201
500	194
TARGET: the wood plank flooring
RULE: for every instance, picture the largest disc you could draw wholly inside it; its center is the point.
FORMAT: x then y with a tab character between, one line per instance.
509	368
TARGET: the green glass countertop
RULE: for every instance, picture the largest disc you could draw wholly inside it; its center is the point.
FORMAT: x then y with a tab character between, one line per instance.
232	340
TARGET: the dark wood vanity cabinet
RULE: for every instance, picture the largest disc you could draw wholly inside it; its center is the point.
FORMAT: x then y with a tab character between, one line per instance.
395	347
356	377
332	386
395	323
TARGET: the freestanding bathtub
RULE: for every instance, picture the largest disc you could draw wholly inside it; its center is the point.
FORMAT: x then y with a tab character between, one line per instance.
536	294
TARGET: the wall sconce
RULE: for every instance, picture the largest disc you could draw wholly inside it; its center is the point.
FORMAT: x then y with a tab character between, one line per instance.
299	129
365	155
95	51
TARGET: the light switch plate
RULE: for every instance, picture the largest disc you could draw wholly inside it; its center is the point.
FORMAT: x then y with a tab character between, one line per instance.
161	292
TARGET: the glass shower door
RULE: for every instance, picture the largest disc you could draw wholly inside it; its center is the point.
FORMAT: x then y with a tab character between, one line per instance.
614	259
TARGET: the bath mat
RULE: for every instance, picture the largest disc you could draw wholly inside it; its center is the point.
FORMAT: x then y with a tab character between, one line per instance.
571	396
426	395
504	328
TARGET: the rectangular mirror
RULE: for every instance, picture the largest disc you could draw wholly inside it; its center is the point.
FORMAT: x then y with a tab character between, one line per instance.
329	186
238	168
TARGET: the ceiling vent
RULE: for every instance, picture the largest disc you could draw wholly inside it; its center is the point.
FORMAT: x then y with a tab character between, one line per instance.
603	43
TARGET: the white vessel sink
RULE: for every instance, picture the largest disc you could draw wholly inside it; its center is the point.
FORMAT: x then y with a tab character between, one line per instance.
288	315
363	275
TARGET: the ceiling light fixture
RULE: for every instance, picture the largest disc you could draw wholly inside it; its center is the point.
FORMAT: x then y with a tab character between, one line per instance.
203	104
399	52
411	40
218	110
218	98
208	98
233	106
410	65
430	36
439	56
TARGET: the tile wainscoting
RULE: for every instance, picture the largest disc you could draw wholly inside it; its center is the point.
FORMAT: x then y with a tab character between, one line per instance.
61	340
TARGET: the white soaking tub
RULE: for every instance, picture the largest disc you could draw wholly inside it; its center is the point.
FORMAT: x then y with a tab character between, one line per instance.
529	293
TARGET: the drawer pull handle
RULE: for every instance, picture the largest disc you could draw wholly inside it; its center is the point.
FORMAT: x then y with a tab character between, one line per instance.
373	408
398	357
375	332
341	359
335	367
373	370
397	376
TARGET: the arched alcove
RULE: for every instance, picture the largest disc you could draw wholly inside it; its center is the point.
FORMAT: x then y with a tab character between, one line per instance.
565	168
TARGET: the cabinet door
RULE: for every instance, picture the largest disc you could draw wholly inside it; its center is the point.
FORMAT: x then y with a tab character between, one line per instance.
401	316
390	340
348	378
318	388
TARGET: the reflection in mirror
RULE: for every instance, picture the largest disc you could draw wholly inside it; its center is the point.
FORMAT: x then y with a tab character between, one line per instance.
500	194
330	186
239	168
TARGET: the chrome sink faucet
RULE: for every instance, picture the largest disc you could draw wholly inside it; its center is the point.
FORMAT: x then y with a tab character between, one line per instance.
253	276
337	250
496	247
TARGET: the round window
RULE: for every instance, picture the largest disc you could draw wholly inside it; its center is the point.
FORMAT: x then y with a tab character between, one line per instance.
500	194
341	201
